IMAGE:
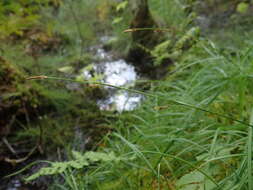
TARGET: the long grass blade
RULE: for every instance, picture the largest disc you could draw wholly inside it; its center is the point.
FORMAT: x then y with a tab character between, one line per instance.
249	149
151	29
250	159
138	152
186	162
145	94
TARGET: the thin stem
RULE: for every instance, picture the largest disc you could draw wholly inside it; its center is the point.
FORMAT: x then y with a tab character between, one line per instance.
154	29
176	102
78	27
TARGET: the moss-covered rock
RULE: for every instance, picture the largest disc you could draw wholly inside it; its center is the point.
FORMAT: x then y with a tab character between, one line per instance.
18	98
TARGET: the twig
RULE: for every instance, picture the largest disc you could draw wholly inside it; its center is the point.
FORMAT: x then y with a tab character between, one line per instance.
38	145
17	161
5	141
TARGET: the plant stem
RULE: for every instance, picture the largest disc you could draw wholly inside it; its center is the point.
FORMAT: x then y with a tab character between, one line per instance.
176	102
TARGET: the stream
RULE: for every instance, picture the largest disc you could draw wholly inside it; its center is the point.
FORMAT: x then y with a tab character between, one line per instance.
115	72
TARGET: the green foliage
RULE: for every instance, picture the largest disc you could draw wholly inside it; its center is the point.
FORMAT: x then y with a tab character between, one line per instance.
195	180
160	145
66	69
162	51
16	92
80	161
178	145
46	47
169	13
17	16
181	146
120	22
174	49
189	38
121	6
242	7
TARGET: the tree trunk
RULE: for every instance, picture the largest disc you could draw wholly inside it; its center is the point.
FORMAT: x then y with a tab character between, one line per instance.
143	19
142	39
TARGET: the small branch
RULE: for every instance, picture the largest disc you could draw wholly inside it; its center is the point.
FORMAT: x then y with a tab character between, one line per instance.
17	161
38	144
5	141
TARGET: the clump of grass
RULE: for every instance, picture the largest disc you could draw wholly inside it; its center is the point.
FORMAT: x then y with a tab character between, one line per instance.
193	131
173	143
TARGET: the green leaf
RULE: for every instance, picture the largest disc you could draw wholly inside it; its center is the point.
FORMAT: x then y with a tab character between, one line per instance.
242	7
78	165
10	95
99	156
121	6
194	181
117	20
77	155
79	78
80	161
66	69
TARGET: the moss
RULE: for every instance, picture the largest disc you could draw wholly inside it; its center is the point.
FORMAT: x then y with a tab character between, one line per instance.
18	97
49	107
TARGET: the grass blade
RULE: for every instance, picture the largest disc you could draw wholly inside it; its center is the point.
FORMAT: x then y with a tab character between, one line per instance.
176	102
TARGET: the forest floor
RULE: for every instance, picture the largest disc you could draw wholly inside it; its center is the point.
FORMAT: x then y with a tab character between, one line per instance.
184	124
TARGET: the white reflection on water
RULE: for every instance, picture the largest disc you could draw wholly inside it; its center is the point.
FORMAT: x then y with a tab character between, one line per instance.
102	54
120	101
117	73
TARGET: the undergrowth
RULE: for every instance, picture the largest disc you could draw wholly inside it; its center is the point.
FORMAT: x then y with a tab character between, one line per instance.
179	147
165	143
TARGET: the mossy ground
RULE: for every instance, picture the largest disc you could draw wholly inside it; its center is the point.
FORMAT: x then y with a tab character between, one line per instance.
47	115
44	115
